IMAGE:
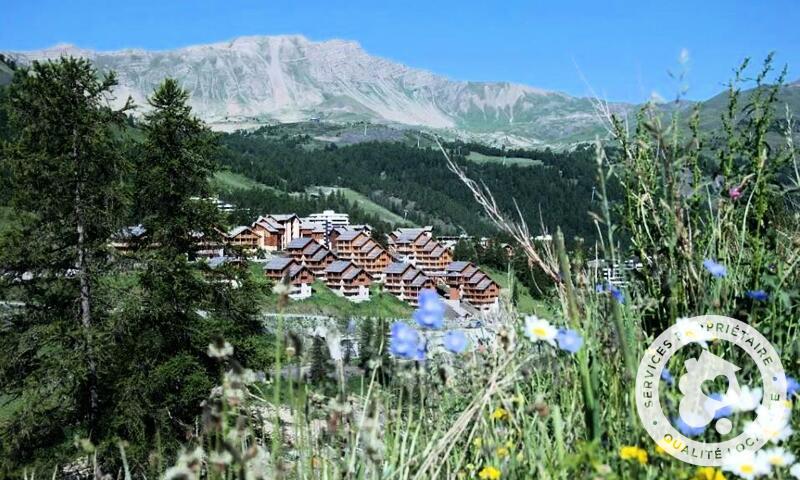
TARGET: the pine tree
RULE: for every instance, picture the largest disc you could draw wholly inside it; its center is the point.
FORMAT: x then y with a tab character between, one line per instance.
163	372
320	359
64	165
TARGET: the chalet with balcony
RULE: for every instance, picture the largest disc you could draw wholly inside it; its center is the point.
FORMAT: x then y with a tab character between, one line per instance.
244	237
299	276
312	254
347	279
314	230
290	225
405	281
271	233
470	283
418	247
358	247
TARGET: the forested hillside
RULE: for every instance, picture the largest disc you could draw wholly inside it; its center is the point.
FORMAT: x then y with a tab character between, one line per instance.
416	183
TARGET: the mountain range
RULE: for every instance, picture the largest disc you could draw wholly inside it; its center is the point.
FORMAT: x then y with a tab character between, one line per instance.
255	80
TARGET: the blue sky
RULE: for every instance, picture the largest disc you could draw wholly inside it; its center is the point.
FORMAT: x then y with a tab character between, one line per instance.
622	48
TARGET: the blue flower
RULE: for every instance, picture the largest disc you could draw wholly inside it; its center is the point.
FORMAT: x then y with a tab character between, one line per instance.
717	270
430	313
792	387
758	295
455	341
667	377
569	340
687	430
616	293
599	288
725	411
405	342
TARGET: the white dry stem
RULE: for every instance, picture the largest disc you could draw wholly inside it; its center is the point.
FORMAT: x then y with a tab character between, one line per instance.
517	230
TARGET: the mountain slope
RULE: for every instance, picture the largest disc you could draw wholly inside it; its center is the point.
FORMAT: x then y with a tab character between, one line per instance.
289	78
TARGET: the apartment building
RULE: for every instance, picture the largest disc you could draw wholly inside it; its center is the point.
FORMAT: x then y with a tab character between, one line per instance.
347	279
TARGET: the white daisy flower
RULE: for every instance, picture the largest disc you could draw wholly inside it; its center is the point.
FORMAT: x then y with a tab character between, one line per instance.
776	456
771	424
747	400
693	331
216	350
795	470
538	329
746	465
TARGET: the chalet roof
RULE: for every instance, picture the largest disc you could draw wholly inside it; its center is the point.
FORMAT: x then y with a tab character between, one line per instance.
338	266
362	228
238	230
268	224
477	278
295	270
411	274
320	254
470	271
351	273
299	243
457	266
484	284
313	226
375	252
397	267
279	263
438	251
422	241
347	235
282	217
420	281
408	235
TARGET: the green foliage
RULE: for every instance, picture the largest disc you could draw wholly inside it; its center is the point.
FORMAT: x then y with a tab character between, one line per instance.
63	162
416	184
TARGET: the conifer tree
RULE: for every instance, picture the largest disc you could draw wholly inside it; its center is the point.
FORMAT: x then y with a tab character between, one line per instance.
64	165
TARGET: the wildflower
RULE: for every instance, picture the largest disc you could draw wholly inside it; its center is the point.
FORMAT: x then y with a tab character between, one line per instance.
747	400
599	288
477	442
725	411
569	340
616	293
771	424
220	349
717	270
220	459
746	465
489	473
500	413
708	473
430	313
687	429
281	289
735	192
633	453
776	456
539	329
501	452
455	341
404	341
795	470
667	377
178	472
691	331
792	387
758	295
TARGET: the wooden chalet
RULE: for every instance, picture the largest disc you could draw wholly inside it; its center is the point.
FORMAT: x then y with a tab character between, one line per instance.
358	247
468	282
290	223
418	247
347	279
312	254
271	233
314	230
405	281
300	277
